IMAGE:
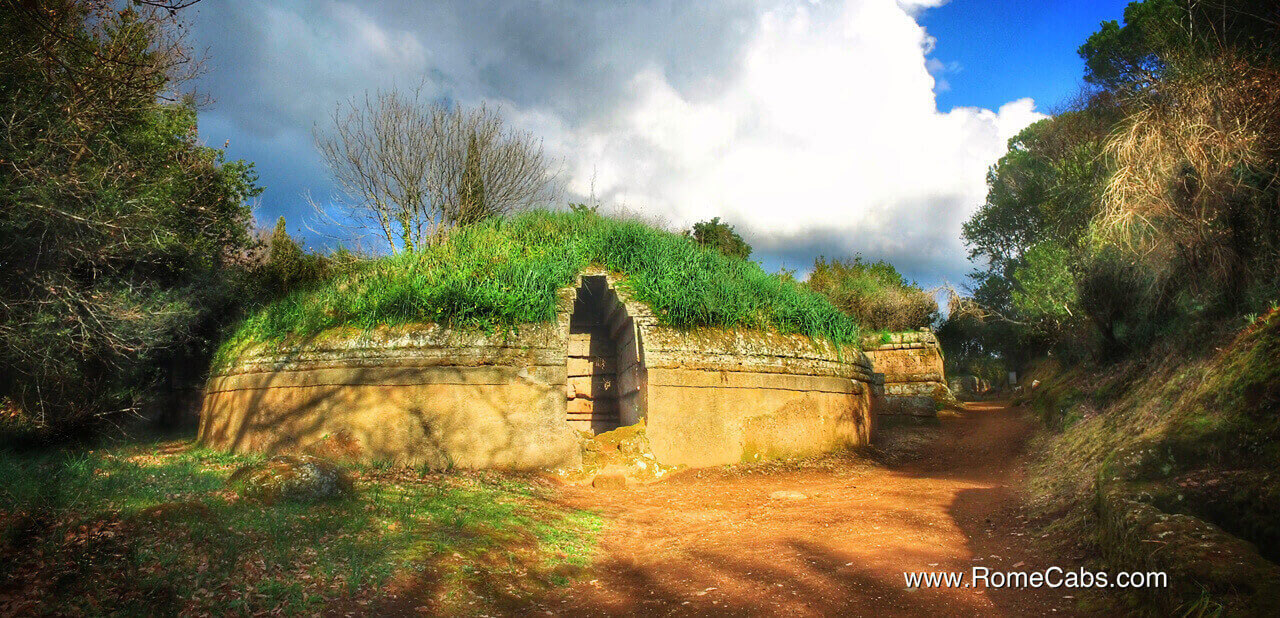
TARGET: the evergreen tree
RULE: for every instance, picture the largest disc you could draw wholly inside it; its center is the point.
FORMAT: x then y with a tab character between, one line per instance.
472	207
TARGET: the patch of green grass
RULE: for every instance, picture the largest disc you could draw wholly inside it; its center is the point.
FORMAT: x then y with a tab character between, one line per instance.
506	271
152	529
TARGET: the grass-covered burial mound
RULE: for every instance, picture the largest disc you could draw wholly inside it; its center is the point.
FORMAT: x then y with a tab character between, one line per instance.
498	344
506	272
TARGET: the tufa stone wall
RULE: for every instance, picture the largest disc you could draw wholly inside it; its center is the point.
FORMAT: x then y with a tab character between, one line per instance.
911	363
426	396
715	396
431	396
719	397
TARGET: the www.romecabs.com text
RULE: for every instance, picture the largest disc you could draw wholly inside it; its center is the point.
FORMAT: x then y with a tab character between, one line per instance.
1052	577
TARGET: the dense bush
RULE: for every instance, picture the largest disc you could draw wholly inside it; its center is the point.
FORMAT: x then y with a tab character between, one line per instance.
874	294
720	236
1147	208
117	225
502	272
277	263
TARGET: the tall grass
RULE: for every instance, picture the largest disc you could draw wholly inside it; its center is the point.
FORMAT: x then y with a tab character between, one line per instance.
505	272
874	293
1194	192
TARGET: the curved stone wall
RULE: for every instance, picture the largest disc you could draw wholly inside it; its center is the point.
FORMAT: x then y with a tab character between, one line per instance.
912	366
431	396
718	397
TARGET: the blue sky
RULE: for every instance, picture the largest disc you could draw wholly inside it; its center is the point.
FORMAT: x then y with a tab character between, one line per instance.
817	128
1014	48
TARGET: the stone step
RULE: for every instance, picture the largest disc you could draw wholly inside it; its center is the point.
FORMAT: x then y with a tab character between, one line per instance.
593	387
591	366
593	425
584	345
588	406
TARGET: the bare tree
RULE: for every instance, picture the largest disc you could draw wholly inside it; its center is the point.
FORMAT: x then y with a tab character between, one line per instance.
412	170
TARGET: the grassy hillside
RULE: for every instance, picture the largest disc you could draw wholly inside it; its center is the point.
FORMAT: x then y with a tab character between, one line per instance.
1172	451
505	272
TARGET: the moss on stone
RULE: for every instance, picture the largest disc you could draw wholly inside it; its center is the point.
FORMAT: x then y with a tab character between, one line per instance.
292	478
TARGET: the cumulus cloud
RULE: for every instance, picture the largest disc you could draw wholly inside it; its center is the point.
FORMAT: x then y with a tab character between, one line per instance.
811	126
830	130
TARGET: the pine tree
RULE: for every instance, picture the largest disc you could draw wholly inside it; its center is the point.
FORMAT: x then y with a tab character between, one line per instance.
471	204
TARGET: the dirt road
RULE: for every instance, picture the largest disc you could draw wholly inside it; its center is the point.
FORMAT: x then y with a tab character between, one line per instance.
714	542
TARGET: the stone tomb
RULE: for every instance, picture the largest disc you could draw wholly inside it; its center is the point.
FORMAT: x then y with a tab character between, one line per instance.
911	364
427	395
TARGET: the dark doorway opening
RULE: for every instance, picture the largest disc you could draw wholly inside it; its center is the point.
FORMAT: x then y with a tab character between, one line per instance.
605	370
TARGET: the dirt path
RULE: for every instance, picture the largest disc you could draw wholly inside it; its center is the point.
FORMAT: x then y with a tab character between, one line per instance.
711	542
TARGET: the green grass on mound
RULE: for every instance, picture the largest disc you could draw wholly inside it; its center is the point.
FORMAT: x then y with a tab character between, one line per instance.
506	272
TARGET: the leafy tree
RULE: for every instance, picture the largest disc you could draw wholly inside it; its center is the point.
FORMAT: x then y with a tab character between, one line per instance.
1045	288
1149	204
1133	56
1042	193
1163	35
118	225
1046	188
721	237
288	266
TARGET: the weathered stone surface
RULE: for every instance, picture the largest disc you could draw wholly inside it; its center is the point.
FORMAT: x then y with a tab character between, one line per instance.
437	416
289	478
968	387
912	364
425	395
1190	550
612	477
624	450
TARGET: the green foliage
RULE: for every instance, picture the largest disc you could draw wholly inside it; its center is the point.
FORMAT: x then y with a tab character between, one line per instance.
1133	55
1045	289
874	294
117	223
1145	208
288	266
1163	36
721	237
1042	192
151	529
503	272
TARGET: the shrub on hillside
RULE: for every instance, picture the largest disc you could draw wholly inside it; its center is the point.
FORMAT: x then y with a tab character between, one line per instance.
116	222
1193	197
874	294
720	236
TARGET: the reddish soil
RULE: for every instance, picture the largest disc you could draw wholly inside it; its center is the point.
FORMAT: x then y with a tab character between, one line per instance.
713	542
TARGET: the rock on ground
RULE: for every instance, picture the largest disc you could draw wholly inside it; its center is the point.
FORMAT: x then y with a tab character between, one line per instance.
293	478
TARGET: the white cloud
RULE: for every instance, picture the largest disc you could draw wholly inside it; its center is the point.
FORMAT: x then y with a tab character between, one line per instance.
812	126
830	127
